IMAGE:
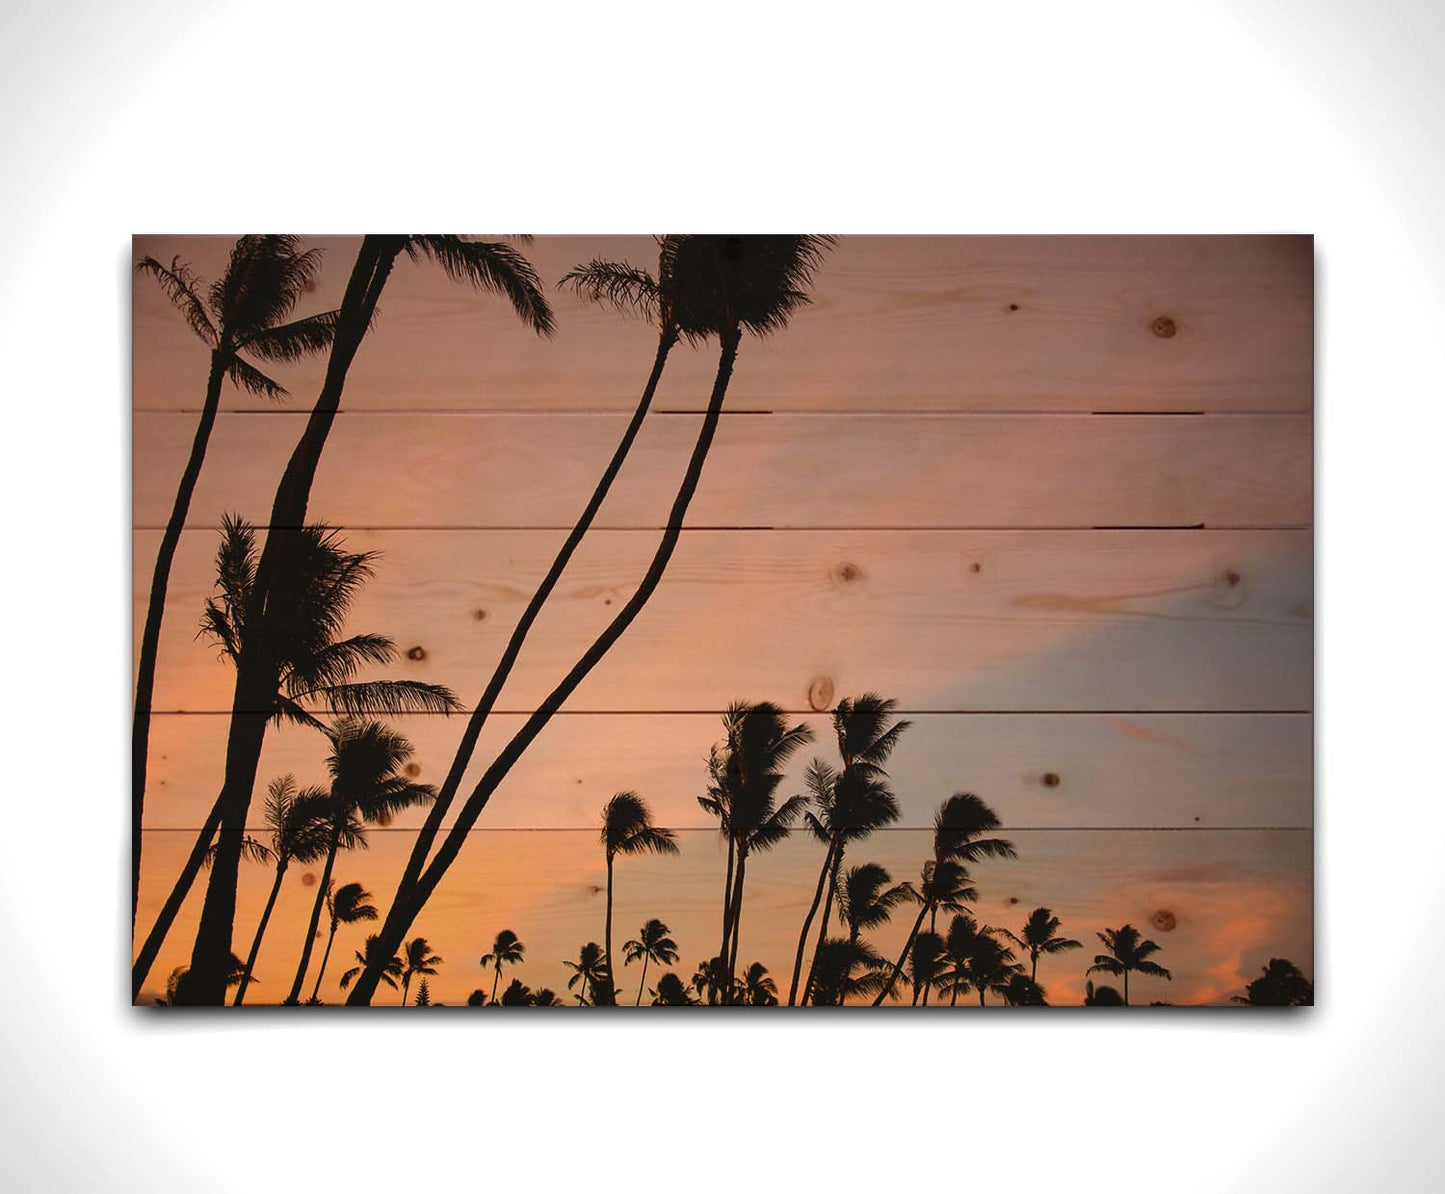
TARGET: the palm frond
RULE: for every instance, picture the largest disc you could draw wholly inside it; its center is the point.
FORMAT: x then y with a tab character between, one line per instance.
179	285
489	265
618	284
294	341
245	376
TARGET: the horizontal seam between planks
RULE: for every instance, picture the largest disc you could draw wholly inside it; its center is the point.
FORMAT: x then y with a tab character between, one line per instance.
887	829
813	712
801	528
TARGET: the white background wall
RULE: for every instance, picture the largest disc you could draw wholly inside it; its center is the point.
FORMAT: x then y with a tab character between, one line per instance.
1247	117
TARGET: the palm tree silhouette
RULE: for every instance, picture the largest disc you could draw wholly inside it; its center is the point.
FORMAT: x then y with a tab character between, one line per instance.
389	967
175	995
671	992
726	285
849	805
1022	991
589	969
652	944
545	997
927	964
1280	984
247	310
758	988
1041	936
867	898
295	820
978	961
1128	952
958	829
368	785
627	828
507	950
317	667
348	905
846	969
710	980
491	266
417	958
1101	996
746	774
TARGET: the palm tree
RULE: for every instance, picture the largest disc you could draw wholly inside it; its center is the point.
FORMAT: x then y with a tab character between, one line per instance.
1041	936
389	967
652	944
545	997
979	961
627	828
758	988
1022	991
347	906
849	805
317	667
589	969
746	774
417	958
867	898
927	964
724	286
368	785
294	819
958	829
176	996
1102	996
507	950
846	969
492	266
671	992
1280	984
1128	952
247	310
709	980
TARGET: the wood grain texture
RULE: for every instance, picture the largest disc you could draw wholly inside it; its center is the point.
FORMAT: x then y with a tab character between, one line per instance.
1044	770
469	470
1235	898
940	620
1005	323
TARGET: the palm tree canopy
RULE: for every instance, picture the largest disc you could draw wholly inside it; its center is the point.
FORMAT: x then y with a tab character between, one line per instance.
927	960
297	820
747	771
1041	934
652	942
317	665
759	988
494	266
671	992
588	968
865	736
846	969
1022	991
945	885
848	805
517	994
367	765
867	897
627	828
390	969
1281	984
418	958
959	826
1128	950
245	308
507	950
350	904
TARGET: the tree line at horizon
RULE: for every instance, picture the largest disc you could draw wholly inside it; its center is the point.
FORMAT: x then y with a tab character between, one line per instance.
278	616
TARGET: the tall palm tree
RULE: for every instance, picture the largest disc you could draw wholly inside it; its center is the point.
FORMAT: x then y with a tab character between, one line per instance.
978	961
727	285
627	829
247	310
959	827
846	969
1128	952
671	992
867	898
1280	984
1041	936
348	905
317	666
590	969
927	965
389	967
849	805
652	944
491	266
709	980
746	775
757	987
368	785
295	820
417	958
507	950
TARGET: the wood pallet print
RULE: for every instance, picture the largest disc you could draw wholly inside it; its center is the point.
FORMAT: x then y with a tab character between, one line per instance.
723	621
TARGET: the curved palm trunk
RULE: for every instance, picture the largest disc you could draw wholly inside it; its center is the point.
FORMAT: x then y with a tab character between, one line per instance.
195	860
1126	986
1034	971
408	903
981	1002
321	889
421	848
803	935
953	998
642	982
155	613
607	931
495	981
727	900
260	932
731	962
405	988
257	670
903	957
325	957
823	923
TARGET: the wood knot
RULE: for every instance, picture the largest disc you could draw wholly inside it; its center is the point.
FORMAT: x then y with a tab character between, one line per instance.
480	615
308	879
820	694
1228	590
1164	920
975	567
1163	327
847	573
413	770
416	654
1013	306
1013	899
1050	779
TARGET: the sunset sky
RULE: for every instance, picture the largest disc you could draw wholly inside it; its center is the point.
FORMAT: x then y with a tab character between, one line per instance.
978	475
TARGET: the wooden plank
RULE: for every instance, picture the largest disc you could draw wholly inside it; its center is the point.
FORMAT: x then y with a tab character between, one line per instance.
923	323
1220	902
941	620
1050	770
471	470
